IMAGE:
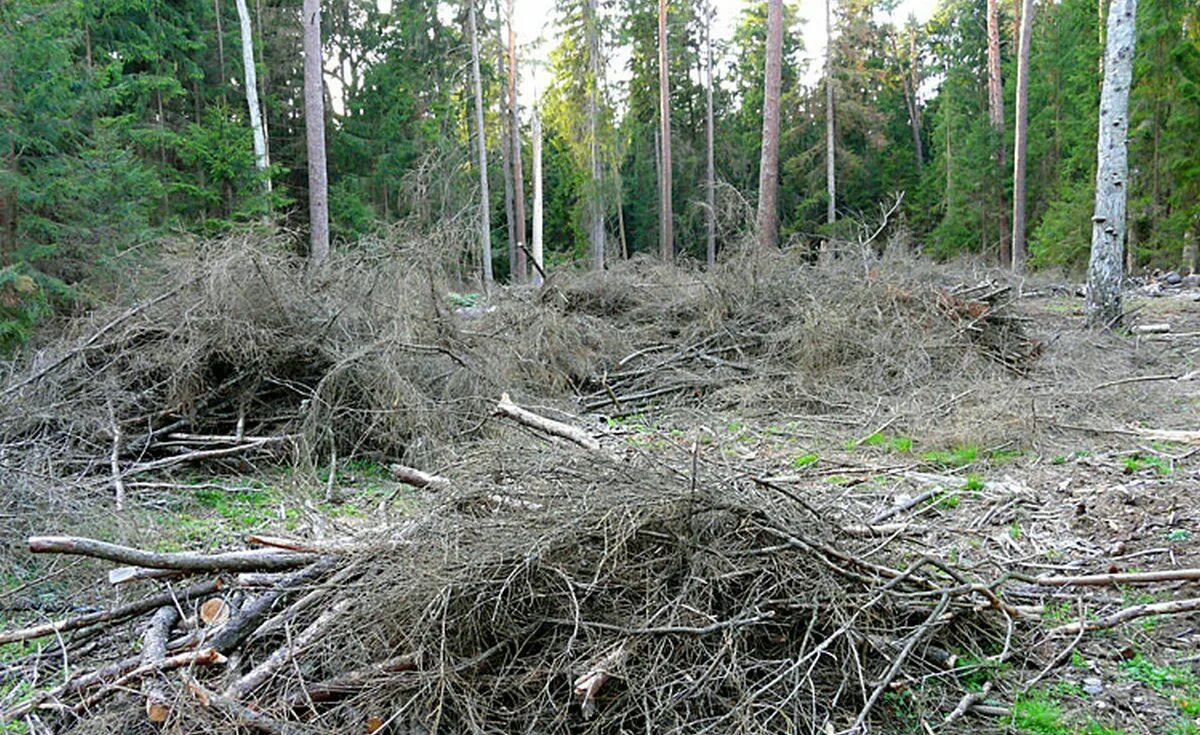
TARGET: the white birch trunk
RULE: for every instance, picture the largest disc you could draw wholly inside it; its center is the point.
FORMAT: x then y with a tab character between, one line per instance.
314	125
1103	306
536	245
256	118
485	214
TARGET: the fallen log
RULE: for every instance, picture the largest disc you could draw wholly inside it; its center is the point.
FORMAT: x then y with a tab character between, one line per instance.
527	418
233	561
124	612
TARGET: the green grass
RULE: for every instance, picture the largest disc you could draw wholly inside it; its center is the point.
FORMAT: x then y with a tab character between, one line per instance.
804	460
1037	715
959	456
974	484
890	442
1178	534
1092	727
1135	463
948	501
1162	679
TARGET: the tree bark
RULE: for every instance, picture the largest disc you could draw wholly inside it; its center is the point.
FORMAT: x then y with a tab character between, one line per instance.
538	265
596	205
666	237
830	170
485	215
996	118
314	125
506	149
256	118
1103	306
520	267
1021	133
768	174
232	561
710	171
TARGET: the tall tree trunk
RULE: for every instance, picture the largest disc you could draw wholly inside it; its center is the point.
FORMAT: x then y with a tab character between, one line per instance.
519	274
1103	306
485	214
996	118
506	154
596	200
914	83
538	264
314	127
907	77
256	118
666	238
1021	132
768	172
710	171
830	171
220	48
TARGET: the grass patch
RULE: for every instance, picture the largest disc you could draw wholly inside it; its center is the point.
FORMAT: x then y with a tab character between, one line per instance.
804	460
960	456
1135	463
1037	715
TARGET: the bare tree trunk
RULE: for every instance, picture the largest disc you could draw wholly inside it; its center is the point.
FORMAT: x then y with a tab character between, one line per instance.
538	264
1103	306
710	189
830	171
506	157
314	125
768	174
596	205
996	118
666	238
220	48
1021	134
908	84
256	119
485	214
514	131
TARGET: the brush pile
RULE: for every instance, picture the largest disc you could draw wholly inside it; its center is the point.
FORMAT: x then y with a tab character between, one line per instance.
563	584
562	589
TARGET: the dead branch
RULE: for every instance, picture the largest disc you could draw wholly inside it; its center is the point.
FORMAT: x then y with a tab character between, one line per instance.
1173	607
203	657
253	614
233	561
154	652
417	478
527	418
280	656
124	612
968	701
125	575
1103	580
351	681
241	713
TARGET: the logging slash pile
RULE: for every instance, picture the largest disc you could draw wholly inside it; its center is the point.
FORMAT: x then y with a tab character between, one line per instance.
555	580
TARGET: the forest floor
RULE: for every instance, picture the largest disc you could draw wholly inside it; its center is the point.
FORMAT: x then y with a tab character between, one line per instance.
1054	471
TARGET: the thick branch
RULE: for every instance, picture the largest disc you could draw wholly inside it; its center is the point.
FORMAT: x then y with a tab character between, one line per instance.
1130	613
234	561
522	416
351	681
1103	580
259	674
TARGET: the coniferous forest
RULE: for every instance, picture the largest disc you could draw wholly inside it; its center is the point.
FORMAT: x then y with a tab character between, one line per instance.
384	366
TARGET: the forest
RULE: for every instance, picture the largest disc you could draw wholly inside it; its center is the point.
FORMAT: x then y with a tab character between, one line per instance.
387	367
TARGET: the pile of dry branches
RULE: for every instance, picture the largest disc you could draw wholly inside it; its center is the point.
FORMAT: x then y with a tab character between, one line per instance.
567	588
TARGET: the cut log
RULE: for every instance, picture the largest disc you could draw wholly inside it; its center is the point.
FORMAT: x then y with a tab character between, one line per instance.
124	612
527	418
214	611
233	561
154	651
252	615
